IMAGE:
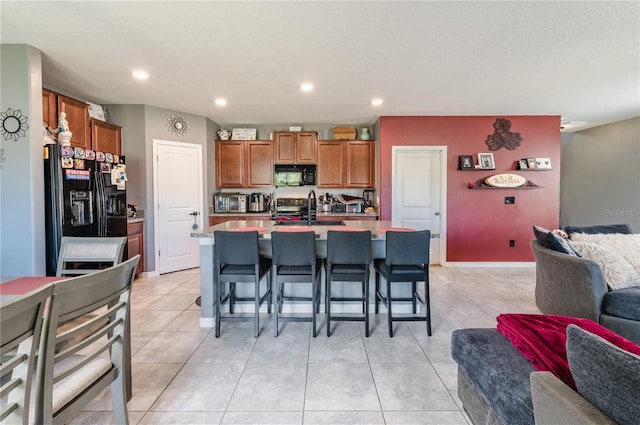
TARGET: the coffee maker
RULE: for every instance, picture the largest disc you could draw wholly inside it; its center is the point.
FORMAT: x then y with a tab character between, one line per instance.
259	202
368	196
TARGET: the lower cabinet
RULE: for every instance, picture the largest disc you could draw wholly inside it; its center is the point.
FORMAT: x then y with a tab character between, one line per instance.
135	243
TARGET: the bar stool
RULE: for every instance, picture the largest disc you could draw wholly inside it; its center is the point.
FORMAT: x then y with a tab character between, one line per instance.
407	260
237	259
348	259
294	262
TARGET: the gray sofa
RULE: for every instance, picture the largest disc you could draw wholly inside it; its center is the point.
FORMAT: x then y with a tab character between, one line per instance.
498	385
568	285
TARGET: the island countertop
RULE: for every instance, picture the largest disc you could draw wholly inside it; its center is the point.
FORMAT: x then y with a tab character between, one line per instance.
265	227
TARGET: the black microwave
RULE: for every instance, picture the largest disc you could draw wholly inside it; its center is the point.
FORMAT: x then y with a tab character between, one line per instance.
295	175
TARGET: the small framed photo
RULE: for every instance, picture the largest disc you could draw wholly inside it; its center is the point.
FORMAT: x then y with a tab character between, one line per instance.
465	162
522	164
105	167
485	160
531	163
543	163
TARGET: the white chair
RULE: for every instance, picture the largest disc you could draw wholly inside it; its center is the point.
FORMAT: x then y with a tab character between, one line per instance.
95	354
88	250
20	331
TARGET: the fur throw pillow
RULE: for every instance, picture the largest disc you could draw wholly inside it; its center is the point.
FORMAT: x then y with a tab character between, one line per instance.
618	256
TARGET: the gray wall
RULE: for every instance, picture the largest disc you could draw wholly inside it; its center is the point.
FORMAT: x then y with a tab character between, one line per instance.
600	179
22	245
142	124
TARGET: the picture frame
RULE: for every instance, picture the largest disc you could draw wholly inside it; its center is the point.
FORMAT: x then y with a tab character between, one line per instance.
543	163
105	167
486	162
531	163
465	162
522	164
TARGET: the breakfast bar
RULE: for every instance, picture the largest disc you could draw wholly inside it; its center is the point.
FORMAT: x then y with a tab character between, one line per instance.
378	230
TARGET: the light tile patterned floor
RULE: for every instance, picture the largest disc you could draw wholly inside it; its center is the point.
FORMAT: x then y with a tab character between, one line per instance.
182	374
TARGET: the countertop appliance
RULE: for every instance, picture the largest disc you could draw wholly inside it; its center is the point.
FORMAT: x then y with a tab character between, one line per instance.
229	202
80	199
259	202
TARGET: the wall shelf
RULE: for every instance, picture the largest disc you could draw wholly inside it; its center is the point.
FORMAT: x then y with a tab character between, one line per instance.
533	169
480	184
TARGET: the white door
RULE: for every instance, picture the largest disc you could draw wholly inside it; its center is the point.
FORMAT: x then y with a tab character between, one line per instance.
178	194
418	188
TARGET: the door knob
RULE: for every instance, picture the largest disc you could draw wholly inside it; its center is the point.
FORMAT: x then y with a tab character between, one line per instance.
194	213
437	213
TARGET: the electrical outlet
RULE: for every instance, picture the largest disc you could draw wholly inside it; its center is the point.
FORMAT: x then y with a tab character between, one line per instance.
509	200
512	243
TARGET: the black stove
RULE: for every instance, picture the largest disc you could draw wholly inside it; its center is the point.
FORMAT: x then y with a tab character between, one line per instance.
292	209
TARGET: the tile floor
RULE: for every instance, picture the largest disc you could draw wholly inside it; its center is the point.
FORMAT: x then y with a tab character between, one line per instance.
182	374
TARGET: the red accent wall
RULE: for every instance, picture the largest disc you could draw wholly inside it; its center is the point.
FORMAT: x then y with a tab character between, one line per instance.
479	223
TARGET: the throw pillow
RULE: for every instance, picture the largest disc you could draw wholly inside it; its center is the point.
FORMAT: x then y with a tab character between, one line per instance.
603	228
607	376
553	240
618	272
627	245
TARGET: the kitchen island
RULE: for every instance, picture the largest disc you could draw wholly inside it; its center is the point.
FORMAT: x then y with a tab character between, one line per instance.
378	230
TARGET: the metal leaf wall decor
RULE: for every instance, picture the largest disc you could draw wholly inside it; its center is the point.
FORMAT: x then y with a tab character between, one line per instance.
502	136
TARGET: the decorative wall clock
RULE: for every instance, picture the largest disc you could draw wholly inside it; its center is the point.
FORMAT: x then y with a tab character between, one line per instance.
14	124
177	125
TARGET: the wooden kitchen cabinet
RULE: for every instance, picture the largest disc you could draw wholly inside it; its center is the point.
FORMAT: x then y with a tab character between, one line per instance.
78	118
135	243
244	163
346	164
360	168
106	137
330	169
295	147
50	108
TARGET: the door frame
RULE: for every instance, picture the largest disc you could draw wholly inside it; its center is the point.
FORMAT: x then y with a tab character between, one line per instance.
156	208
442	151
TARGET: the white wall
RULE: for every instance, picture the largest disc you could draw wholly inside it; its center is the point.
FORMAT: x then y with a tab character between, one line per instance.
22	242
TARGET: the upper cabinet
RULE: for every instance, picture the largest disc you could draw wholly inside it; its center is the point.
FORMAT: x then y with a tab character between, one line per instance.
295	147
87	133
78	117
105	137
244	164
348	164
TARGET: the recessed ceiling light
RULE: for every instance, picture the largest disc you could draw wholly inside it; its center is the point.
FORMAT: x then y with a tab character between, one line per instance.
221	102
306	87
140	74
377	101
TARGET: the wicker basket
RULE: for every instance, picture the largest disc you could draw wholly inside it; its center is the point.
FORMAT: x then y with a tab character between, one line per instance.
344	133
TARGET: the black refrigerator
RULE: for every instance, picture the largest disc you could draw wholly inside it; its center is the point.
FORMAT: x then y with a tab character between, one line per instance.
81	198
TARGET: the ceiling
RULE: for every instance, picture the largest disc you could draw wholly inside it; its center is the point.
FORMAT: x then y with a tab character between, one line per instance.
579	60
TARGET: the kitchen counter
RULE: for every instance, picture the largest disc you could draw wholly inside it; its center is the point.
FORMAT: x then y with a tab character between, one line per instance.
265	227
132	220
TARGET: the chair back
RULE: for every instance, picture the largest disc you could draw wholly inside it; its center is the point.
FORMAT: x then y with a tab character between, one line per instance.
88	250
407	248
20	331
348	247
237	248
83	345
293	248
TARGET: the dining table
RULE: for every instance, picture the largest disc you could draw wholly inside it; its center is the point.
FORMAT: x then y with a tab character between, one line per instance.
378	229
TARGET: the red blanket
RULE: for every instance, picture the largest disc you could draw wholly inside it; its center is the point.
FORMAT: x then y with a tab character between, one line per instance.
542	338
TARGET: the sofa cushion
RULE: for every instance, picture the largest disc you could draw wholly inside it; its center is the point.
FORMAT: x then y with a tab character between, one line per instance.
623	303
553	241
498	370
603	228
607	376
